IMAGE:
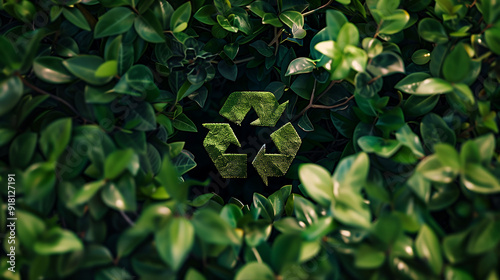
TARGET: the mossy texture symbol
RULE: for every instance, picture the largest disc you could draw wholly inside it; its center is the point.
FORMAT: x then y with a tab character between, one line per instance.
221	136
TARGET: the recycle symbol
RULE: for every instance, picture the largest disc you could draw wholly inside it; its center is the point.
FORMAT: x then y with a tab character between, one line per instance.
221	136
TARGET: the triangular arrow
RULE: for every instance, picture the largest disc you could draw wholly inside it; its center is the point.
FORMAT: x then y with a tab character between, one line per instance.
239	103
218	139
287	142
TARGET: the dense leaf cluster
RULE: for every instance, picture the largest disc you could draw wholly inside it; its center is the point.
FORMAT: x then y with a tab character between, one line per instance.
102	106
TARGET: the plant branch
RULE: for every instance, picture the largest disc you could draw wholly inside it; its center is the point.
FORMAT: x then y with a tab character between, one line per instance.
126	218
317	9
55	97
276	38
244	60
332	106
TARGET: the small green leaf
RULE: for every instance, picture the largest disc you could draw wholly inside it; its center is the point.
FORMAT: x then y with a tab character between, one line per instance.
368	257
115	21
174	241
432	30
386	63
86	192
429	249
300	65
107	69
117	162
55	137
478	179
183	123
211	228
421	57
75	16
50	69
11	91
120	194
378	145
84	67
255	270
457	64
149	28
180	18
205	13
57	241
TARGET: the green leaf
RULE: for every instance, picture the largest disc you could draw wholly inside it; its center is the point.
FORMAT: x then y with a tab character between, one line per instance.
183	123
492	37
180	18
224	23
57	241
120	194
484	236
300	65
319	229
55	137
39	180
193	274
25	145
434	130
410	83
394	22
378	145
75	16
419	105
285	251
429	249
211	228
368	257
372	46
386	63
174	241
291	18
50	69
278	200
433	86
351	173
149	28
117	162
433	169
255	270
84	67
8	57
478	179
348	35
457	64
334	22
432	30
11	90
107	69
409	139
228	71
317	183
350	209
231	50
265	207
86	192
115	21
421	57
205	13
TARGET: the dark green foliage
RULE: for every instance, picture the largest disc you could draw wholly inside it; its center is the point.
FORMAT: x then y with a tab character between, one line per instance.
365	144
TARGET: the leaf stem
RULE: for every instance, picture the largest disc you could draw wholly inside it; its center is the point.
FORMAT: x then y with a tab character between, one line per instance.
39	90
317	9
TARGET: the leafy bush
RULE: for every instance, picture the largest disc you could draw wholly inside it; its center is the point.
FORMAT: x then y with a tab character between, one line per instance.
102	106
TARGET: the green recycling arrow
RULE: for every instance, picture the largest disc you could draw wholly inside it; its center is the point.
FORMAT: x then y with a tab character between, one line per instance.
238	104
221	136
287	142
